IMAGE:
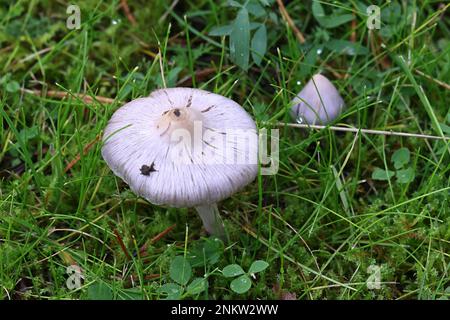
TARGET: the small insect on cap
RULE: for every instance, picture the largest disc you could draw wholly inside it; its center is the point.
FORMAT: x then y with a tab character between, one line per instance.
319	102
182	147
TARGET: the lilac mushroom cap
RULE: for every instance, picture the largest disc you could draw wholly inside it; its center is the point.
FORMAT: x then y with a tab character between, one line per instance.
318	102
183	147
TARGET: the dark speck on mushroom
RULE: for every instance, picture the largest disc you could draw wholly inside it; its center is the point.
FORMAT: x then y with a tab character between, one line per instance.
146	170
207	109
189	102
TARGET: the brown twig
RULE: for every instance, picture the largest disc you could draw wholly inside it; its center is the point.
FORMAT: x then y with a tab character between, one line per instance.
149	53
133	278
357	130
143	249
164	16
146	277
443	84
63	94
336	74
85	151
353	34
199	74
34	55
375	43
127	11
162	234
289	21
299	34
122	245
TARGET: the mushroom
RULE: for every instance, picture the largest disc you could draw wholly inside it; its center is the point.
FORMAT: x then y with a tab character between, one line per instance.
183	147
318	102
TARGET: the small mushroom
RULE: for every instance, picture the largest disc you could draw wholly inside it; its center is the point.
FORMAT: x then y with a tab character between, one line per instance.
319	102
183	147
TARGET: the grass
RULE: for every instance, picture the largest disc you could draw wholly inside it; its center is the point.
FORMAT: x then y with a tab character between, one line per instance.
324	223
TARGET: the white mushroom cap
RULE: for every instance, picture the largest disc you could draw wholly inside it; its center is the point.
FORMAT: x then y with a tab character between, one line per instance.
318	102
182	147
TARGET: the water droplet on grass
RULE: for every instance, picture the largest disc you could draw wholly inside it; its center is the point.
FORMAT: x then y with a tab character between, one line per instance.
300	119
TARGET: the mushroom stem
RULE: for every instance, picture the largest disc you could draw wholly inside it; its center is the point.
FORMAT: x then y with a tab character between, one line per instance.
209	213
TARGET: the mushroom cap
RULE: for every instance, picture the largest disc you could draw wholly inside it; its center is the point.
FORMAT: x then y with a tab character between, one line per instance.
182	147
318	102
